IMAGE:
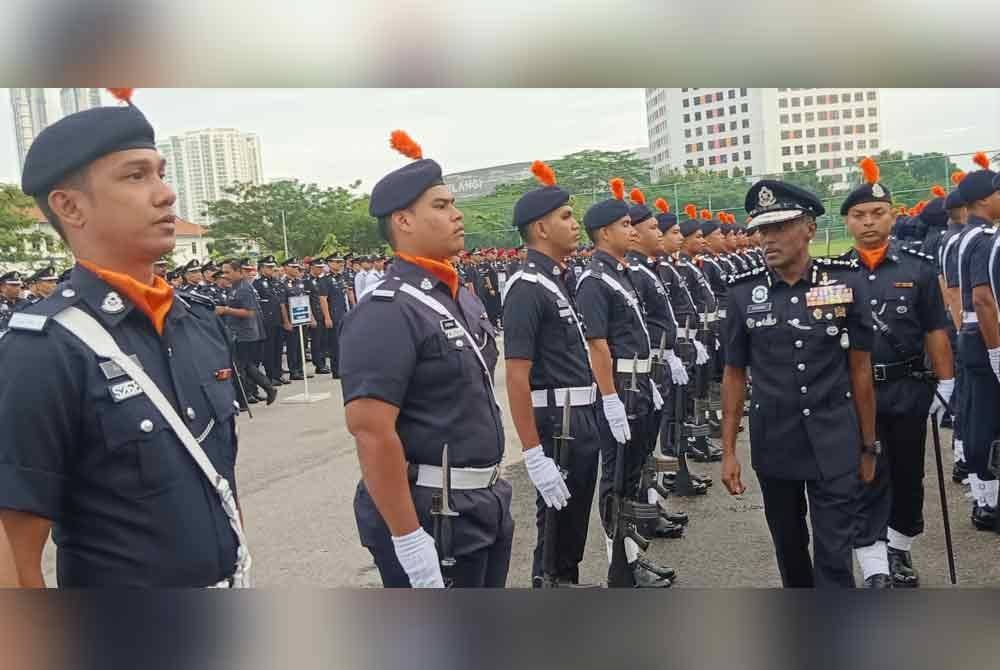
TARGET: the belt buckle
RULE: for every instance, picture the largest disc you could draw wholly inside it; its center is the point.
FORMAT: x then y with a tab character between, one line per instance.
878	372
495	477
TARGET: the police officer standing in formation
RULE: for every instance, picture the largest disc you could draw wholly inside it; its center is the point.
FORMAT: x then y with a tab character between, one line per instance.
271	295
417	376
804	326
909	311
244	317
317	289
547	359
41	285
295	286
619	344
86	451
10	297
339	300
979	338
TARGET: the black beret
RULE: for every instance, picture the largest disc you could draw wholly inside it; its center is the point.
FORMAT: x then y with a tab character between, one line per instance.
666	220
605	213
639	213
44	274
954	200
398	189
689	227
773	201
935	214
268	261
709	227
79	139
876	192
977	185
535	204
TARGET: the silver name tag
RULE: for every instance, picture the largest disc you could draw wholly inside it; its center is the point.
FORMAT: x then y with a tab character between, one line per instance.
125	390
451	329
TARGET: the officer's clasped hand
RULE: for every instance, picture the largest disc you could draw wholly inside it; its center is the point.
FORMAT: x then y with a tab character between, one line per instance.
614	412
702	353
678	375
418	556
546	477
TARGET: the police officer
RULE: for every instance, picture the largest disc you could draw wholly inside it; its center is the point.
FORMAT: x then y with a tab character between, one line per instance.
619	344
10	297
906	299
804	326
271	296
948	270
244	316
339	300
317	289
979	338
418	358
42	283
85	450
191	277
294	335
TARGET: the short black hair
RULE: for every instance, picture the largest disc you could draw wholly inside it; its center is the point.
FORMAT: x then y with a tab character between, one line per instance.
385	230
524	232
76	179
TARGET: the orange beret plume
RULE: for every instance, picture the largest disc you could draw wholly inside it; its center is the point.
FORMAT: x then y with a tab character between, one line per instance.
543	173
617	188
706	215
920	206
957	176
637	197
691	211
938	191
981	160
662	205
404	144
122	94
869	168
912	211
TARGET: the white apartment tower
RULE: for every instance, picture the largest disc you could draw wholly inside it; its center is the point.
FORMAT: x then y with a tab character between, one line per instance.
201	163
762	130
30	117
74	100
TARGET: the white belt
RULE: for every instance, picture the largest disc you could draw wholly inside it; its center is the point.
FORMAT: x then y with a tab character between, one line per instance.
579	396
627	364
970	317
462	479
686	333
722	314
709	318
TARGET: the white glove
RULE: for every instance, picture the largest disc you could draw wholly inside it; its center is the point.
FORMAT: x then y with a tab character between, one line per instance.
657	398
702	353
678	374
945	388
546	477
614	412
418	556
995	361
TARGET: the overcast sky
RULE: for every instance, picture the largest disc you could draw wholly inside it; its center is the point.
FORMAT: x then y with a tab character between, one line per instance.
334	136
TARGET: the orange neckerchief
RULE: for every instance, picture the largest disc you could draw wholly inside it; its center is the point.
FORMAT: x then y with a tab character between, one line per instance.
443	270
154	301
872	258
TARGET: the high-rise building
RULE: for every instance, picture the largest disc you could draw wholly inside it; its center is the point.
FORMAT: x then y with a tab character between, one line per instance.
30	117
75	100
762	130
201	163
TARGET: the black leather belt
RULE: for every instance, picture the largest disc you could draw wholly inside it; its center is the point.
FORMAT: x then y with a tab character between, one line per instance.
889	372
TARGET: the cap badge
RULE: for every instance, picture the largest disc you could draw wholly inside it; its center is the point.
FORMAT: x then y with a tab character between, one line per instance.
766	197
556	270
426	284
877	190
112	303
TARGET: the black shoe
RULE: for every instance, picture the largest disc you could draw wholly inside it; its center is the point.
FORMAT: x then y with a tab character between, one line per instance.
656	568
322	371
679	518
310	375
272	393
901	569
715	428
252	400
714	452
984	517
647	579
278	382
296	377
947	421
878	581
667	529
960	472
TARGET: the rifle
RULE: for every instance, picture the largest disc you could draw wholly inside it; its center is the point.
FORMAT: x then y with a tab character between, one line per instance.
701	402
560	454
443	514
681	429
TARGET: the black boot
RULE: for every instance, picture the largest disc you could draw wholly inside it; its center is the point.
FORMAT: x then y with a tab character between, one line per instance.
679	518
656	568
647	579
667	529
272	393
901	569
878	581
960	473
984	517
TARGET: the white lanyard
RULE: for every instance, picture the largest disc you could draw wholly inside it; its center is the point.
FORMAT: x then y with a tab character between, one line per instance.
660	284
993	256
681	283
552	288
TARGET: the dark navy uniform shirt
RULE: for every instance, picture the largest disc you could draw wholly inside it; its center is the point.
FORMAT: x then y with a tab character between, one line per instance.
974	258
716	274
948	254
802	419
905	294
269	297
607	314
7	309
337	295
654	300
398	350
242	295
80	447
697	283
539	326
677	291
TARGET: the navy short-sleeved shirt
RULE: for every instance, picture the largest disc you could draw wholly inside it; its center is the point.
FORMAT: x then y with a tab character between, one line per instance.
802	420
655	302
243	296
697	283
269	297
607	314
677	290
81	447
974	258
904	292
396	349
541	327
948	253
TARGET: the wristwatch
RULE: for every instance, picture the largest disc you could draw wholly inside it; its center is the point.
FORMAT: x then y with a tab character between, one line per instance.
874	448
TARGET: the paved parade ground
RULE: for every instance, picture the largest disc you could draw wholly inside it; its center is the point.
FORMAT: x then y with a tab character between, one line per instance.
297	472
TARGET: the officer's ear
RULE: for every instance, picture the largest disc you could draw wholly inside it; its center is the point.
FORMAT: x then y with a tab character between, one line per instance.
811	228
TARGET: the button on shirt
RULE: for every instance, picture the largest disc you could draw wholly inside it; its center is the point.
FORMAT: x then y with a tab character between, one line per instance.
81	447
540	326
607	314
396	349
789	344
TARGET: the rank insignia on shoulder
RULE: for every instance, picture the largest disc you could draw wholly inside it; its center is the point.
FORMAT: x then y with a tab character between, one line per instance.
383	294
224	374
33	322
918	254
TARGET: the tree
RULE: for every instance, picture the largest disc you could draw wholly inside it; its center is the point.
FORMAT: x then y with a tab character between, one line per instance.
15	222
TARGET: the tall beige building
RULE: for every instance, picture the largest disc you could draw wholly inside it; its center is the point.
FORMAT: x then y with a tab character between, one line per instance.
73	100
30	117
201	163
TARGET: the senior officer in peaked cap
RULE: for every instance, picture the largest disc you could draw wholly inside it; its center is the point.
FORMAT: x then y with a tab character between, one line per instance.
417	377
10	297
41	284
86	451
804	326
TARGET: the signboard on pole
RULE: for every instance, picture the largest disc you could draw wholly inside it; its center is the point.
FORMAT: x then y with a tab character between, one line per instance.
298	310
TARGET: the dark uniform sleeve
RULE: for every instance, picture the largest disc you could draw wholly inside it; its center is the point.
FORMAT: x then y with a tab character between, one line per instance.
931	304
39	415
242	298
595	308
979	260
860	325
377	353
522	321
735	336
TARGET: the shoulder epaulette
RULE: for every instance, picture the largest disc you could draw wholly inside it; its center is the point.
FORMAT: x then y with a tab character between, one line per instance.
191	297
597	269
846	263
738	277
34	323
919	254
989	230
383	294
